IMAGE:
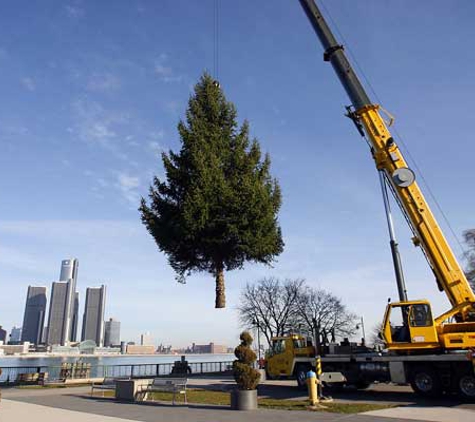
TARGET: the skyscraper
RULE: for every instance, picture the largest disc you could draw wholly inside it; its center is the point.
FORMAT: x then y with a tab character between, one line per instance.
93	321
34	317
15	335
69	271
3	335
74	323
62	304
112	333
146	339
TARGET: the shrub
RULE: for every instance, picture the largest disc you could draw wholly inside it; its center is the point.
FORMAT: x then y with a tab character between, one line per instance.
245	375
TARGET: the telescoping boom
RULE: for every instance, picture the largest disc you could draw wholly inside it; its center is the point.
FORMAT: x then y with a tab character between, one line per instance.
455	329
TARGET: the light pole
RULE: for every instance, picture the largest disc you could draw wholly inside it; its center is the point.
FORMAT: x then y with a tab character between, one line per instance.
255	322
361	324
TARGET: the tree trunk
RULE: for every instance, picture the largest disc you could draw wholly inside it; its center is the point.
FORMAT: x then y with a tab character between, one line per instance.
220	296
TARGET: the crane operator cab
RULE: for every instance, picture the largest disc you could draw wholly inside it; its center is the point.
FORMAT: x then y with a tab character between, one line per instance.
409	326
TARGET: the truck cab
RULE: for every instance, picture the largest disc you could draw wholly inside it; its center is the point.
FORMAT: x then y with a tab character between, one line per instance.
290	356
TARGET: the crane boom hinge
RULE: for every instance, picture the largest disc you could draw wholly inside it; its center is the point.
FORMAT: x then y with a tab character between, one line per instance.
355	119
327	55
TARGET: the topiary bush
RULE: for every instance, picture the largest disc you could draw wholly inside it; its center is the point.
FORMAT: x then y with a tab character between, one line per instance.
245	375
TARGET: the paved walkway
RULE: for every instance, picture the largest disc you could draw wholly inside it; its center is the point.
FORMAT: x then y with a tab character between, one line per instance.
19	411
109	411
75	405
433	414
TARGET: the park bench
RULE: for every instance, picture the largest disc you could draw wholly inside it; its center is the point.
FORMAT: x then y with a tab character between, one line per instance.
107	384
172	385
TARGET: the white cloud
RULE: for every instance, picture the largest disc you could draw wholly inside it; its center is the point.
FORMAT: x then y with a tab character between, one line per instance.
162	71
18	259
3	53
28	83
165	71
74	11
14	129
103	82
102	182
114	130
128	186
155	147
173	106
128	182
94	124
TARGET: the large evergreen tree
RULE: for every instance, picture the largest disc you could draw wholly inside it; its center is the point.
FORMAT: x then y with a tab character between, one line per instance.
218	207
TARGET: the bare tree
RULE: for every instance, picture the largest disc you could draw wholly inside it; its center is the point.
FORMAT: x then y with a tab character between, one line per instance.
375	338
324	314
469	236
270	304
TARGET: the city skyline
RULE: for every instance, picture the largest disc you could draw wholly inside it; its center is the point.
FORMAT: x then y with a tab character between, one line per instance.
61	312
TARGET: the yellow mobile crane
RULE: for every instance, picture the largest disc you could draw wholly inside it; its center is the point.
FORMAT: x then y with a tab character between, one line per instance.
454	329
432	354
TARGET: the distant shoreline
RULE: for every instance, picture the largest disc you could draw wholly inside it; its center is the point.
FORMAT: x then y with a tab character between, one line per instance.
132	355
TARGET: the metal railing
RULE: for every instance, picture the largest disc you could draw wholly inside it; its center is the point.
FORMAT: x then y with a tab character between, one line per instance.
15	374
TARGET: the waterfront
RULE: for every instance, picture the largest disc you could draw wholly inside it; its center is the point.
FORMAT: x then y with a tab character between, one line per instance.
90	366
25	361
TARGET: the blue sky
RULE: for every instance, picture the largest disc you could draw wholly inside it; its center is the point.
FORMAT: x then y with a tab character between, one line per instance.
92	92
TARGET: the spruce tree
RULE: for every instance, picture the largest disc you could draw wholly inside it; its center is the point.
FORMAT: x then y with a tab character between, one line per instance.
217	208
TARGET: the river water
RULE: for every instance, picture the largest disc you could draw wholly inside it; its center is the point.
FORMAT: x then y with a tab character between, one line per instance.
24	361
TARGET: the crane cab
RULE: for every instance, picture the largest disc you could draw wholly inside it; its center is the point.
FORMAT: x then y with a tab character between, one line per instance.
409	326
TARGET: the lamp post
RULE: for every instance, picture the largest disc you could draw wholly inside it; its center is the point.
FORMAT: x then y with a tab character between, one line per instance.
361	325
255	322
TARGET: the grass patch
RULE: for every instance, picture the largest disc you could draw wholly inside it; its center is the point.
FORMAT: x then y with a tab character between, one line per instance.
36	386
222	398
198	396
329	407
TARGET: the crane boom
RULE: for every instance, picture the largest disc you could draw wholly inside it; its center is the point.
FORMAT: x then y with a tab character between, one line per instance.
389	159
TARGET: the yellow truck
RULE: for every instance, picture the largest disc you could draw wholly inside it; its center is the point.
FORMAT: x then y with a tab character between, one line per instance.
292	355
350	364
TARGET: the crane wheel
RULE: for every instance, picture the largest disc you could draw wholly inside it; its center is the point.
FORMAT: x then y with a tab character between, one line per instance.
466	386
362	385
301	376
425	382
270	376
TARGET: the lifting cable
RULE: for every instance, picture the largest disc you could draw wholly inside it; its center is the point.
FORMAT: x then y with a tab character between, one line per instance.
216	42
398	135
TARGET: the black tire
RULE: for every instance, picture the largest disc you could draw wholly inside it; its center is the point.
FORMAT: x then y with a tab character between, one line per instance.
270	377
466	386
362	385
425	382
301	376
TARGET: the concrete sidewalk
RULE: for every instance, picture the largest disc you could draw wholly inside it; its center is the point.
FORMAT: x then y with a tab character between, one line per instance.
60	406
75	404
19	411
431	414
